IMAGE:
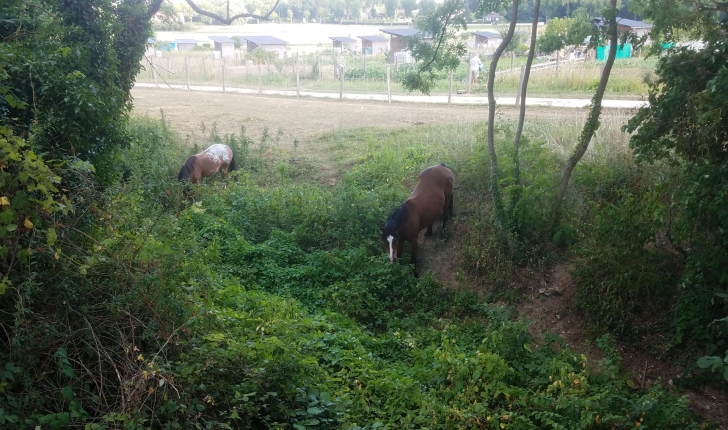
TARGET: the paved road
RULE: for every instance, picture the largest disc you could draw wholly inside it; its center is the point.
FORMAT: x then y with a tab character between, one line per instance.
456	99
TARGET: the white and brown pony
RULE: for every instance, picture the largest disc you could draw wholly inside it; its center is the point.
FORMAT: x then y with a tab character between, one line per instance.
216	158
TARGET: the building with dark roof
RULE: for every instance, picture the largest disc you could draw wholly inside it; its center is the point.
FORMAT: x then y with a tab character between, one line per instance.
268	43
623	24
487	39
342	44
398	38
224	45
373	45
185	44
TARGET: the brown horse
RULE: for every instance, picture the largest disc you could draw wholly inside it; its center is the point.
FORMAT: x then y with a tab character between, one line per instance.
431	198
217	157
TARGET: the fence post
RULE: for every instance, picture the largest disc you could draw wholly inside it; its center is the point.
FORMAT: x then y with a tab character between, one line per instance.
260	80
519	91
223	75
187	71
389	87
513	54
154	73
558	51
298	85
449	92
364	57
341	85
470	78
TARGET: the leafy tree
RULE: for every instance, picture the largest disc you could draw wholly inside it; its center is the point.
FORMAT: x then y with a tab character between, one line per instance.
522	109
442	25
427	6
554	37
592	120
390	7
550	7
497	199
580	27
684	125
409	6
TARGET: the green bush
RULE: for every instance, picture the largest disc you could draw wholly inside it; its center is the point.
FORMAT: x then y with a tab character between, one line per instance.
622	272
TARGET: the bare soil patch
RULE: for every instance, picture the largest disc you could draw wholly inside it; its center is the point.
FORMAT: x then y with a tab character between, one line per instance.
305	117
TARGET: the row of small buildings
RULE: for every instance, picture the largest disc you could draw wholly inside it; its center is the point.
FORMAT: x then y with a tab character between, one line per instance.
370	45
395	46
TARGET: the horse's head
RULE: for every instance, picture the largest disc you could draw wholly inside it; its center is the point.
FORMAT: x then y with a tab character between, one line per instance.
390	237
390	231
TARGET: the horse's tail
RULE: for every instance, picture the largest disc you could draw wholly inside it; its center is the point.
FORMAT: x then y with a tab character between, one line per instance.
184	172
233	164
450	208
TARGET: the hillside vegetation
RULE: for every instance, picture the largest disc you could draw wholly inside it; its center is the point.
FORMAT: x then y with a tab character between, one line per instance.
267	301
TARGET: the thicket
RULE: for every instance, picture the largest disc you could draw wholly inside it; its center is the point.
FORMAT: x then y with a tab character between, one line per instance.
270	304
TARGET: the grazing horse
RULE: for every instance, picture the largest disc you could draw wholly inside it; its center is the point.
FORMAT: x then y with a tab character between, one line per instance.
217	157
431	198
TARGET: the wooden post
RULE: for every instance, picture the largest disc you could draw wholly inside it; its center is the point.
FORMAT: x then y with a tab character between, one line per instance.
260	80
364	57
513	54
449	92
187	71
389	87
558	51
470	78
298	84
223	75
520	86
321	68
154	73
341	85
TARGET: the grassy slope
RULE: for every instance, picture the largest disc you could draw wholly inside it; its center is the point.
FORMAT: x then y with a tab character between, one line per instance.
294	319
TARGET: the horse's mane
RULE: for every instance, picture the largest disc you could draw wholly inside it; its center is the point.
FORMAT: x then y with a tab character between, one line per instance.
395	220
186	169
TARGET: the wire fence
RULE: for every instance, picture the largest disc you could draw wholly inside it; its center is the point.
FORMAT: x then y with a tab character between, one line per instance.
327	72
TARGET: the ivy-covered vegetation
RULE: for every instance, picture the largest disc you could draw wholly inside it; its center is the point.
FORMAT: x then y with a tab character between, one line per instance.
267	302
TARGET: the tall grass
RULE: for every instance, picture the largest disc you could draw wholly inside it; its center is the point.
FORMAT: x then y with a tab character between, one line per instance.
629	77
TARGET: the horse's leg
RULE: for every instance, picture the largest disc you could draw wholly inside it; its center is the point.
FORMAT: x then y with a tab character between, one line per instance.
428	232
413	251
400	247
413	255
446	212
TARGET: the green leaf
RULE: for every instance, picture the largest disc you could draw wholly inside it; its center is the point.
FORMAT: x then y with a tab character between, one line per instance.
51	236
315	410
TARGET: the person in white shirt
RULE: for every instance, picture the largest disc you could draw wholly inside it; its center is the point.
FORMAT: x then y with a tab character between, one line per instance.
475	64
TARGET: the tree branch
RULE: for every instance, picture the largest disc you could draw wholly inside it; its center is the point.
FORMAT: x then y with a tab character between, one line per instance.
153	8
439	42
229	20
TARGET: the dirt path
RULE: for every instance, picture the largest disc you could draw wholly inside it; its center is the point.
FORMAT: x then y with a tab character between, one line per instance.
304	117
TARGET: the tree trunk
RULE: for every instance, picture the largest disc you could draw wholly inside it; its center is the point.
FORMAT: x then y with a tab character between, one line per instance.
522	112
494	188
592	121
